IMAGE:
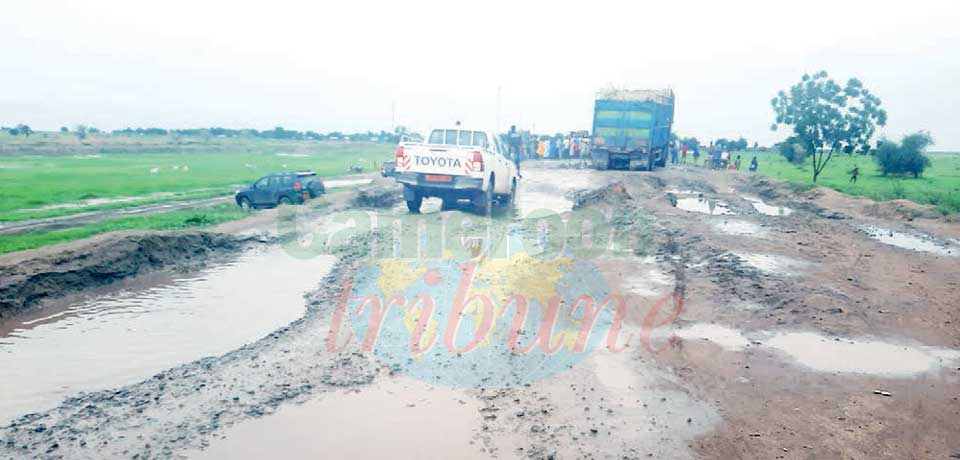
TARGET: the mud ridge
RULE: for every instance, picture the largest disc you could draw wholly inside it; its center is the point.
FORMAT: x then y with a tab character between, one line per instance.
25	283
135	421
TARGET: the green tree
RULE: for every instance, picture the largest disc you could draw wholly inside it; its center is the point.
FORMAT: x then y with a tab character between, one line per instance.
907	157
24	129
64	129
828	118
80	131
690	142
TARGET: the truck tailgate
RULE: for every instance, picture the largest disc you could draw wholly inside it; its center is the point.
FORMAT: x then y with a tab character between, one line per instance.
438	160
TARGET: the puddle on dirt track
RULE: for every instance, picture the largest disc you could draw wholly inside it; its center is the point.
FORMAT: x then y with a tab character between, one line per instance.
704	206
548	189
336	183
861	356
825	354
739	227
767	209
725	337
919	243
128	335
773	264
397	417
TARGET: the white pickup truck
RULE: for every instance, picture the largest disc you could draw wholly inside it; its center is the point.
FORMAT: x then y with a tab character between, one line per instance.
457	164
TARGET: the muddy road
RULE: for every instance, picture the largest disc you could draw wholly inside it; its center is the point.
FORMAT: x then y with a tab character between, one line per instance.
691	314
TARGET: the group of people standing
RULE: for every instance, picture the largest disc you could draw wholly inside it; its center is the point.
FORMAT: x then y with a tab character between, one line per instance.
561	147
529	146
721	158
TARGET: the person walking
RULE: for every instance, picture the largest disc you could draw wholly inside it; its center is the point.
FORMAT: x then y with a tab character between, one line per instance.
683	154
541	148
854	173
696	154
736	164
515	141
753	164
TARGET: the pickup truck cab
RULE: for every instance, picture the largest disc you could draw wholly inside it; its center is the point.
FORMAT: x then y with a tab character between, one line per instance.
457	164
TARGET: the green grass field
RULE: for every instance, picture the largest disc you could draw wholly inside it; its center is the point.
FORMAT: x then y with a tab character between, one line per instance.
166	221
939	185
107	172
46	185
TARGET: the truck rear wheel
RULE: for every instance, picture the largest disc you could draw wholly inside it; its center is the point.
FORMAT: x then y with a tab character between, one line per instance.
414	204
601	161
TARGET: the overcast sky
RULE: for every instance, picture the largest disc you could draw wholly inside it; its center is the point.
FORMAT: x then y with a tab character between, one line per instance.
344	65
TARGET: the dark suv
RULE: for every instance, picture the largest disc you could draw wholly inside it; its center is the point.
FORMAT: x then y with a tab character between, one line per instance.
280	188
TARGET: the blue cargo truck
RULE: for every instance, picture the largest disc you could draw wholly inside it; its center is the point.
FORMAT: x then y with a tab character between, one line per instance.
631	129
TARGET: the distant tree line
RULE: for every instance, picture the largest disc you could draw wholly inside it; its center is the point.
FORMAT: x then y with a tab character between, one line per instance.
732	145
81	131
276	133
19	130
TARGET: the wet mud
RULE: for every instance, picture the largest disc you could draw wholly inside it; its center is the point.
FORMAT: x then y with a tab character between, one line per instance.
799	335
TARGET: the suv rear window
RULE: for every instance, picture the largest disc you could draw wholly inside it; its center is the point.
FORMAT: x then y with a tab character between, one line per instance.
459	137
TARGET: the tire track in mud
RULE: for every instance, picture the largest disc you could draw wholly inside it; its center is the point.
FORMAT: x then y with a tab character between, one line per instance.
180	408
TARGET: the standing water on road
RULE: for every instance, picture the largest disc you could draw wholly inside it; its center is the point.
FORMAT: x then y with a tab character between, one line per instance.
920	243
767	209
704	205
122	337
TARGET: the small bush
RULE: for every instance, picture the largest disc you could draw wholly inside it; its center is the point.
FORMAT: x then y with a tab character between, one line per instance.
907	157
793	151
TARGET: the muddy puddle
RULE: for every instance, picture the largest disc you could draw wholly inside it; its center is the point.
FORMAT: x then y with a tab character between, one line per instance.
101	201
725	337
739	227
704	206
149	325
768	209
873	357
648	282
819	353
919	243
338	183
396	417
773	264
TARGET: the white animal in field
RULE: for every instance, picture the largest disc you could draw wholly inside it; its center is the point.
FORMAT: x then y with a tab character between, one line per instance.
186	168
154	170
175	167
249	165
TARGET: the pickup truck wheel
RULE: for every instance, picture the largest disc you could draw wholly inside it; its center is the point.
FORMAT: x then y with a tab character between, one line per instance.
245	204
414	204
283	201
483	202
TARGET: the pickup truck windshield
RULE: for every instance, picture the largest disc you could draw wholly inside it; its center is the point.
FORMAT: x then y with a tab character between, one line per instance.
458	137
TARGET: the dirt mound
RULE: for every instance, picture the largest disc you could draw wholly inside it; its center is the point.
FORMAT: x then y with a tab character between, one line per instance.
763	187
378	196
25	281
900	209
615	193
